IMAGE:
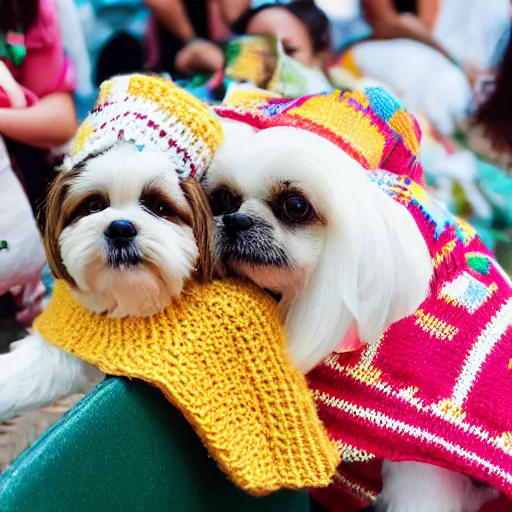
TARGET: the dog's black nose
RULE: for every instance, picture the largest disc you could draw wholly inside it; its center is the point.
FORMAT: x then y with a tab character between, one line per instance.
121	232
237	221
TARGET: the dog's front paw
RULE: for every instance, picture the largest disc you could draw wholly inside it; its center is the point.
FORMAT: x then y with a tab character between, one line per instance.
27	374
35	374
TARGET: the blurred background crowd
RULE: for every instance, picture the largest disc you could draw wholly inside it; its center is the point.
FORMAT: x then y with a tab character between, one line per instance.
440	58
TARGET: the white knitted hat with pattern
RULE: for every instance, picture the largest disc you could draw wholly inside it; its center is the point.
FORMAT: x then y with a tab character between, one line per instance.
152	112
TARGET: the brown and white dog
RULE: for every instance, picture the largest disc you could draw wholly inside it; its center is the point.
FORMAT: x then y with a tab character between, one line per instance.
126	224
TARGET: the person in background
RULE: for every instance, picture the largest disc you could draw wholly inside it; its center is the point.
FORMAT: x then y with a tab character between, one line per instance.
184	35
188	31
41	68
44	71
75	46
300	25
403	19
109	40
430	53
495	113
468	35
494	119
36	115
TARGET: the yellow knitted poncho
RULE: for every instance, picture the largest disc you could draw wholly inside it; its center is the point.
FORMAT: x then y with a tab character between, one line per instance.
218	354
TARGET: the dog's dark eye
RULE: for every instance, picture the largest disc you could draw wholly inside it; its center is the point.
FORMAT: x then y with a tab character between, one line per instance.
88	206
158	206
162	209
95	204
296	209
223	201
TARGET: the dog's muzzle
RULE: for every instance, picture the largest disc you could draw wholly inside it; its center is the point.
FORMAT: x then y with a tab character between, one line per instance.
240	238
121	248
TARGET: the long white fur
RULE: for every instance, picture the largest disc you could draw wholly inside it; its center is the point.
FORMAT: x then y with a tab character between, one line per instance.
368	264
123	172
35	373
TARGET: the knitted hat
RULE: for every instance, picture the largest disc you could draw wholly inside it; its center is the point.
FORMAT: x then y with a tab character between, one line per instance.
369	125
150	111
219	355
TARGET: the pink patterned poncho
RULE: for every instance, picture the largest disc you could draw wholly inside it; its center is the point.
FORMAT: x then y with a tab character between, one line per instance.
437	387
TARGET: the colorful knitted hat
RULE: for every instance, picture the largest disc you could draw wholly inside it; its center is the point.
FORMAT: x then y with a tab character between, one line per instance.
150	111
369	125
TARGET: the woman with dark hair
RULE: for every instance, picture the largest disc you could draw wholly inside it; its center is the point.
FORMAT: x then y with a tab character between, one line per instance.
300	25
36	115
495	113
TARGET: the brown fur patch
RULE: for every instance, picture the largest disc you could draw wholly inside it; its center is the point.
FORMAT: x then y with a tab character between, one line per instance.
202	226
53	222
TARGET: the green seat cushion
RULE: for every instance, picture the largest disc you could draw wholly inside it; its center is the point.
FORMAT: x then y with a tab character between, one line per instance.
124	448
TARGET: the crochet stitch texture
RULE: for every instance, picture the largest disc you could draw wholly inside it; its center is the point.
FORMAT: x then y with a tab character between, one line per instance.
218	354
437	387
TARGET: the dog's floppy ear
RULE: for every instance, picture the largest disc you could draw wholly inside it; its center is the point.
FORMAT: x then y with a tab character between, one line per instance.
202	225
387	264
52	222
375	269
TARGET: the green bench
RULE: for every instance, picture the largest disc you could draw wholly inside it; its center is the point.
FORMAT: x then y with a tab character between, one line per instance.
124	448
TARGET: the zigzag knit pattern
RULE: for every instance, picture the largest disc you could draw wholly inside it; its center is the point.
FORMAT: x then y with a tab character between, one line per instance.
218	354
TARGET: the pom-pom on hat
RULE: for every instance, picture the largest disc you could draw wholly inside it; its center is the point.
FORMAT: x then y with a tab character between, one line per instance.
151	112
369	125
